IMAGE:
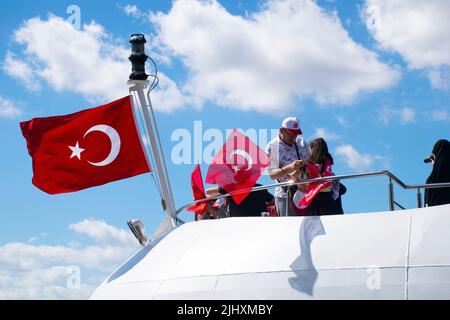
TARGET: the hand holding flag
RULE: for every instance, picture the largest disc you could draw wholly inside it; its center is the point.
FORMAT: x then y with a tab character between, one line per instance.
314	187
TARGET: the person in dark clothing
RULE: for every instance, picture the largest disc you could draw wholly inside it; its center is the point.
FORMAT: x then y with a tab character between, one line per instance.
322	204
252	206
440	157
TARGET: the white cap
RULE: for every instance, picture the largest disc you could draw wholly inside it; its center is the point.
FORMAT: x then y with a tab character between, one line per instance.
291	123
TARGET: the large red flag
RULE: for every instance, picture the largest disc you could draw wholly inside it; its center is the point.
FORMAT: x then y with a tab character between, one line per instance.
238	165
198	190
85	149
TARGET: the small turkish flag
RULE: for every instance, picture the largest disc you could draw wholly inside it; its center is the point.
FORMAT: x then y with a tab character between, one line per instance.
199	191
314	187
85	149
238	165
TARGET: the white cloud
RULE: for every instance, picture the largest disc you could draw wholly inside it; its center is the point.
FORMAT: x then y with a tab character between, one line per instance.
341	120
8	109
132	10
263	61
84	61
417	30
167	96
385	114
29	271
356	160
440	115
21	71
405	115
440	77
47	283
38	237
135	12
102	232
326	134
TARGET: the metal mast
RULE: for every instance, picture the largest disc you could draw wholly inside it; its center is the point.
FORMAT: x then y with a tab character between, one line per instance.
137	83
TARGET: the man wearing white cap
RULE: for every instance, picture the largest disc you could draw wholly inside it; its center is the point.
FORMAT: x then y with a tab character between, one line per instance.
287	153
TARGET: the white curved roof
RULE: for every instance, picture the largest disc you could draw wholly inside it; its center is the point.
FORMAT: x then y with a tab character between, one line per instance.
388	255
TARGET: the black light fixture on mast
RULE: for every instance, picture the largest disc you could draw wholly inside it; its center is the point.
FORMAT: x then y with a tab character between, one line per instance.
138	57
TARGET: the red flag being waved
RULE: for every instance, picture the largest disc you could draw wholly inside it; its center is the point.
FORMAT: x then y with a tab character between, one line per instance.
314	187
85	149
199	191
238	165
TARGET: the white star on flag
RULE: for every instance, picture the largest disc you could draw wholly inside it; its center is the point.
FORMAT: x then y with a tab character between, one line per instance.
76	151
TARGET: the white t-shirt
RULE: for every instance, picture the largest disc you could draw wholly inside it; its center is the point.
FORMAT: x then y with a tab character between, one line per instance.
282	154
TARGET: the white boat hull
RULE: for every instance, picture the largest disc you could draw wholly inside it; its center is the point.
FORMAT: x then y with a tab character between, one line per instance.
384	255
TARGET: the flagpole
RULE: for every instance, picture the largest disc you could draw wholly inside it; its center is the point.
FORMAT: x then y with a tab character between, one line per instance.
137	83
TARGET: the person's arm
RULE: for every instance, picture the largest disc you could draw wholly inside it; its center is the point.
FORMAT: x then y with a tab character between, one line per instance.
215	192
212	192
274	170
304	186
277	173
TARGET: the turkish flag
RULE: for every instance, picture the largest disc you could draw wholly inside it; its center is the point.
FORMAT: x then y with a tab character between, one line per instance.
238	165
85	149
315	187
198	190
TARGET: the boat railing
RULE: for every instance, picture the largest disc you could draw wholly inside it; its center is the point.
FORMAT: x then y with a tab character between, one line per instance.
391	176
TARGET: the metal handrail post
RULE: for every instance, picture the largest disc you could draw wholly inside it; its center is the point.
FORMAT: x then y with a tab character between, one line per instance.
391	195
419	198
288	195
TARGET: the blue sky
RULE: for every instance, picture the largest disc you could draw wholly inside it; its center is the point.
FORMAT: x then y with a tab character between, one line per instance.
372	79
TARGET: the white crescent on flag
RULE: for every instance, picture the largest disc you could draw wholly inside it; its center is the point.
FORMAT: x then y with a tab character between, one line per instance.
113	136
243	154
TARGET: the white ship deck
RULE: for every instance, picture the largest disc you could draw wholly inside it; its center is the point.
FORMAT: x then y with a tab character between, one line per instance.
382	255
